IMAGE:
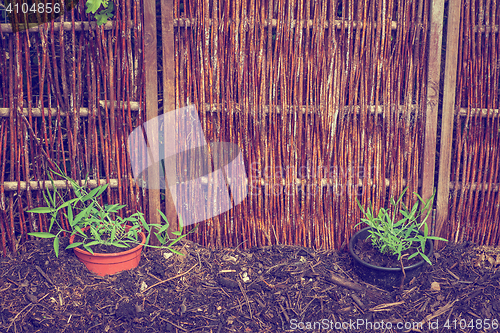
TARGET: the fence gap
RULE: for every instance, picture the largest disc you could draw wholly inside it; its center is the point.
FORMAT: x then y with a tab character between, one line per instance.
434	74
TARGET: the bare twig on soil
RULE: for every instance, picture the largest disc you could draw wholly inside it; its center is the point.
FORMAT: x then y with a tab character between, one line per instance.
170	279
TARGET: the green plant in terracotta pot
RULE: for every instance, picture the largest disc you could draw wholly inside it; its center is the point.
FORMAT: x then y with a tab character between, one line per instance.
93	225
384	250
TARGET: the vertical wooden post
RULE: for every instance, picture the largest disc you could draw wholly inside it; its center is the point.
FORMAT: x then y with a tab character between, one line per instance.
449	90
150	68
431	119
168	76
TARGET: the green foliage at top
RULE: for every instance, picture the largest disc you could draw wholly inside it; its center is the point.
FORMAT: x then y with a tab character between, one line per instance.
104	14
395	237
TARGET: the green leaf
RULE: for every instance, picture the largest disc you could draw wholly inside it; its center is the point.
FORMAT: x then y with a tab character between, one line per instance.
397	224
95	242
80	231
437	238
42	210
56	246
413	255
163	228
176	252
67	203
360	207
102	18
113	208
177	239
70	246
177	233
92	193
161	239
83	213
52	220
414	209
163	217
93	6
426	258
87	247
118	244
401	196
145	225
42	234
70	216
95	234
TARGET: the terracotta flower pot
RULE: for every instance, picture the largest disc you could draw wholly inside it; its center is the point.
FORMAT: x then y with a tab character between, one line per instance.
110	263
385	277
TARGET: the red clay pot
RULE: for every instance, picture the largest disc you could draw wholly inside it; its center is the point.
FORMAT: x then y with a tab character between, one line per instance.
110	263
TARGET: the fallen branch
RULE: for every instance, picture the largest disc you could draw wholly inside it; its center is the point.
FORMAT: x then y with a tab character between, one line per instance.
44	275
353	286
344	283
386	306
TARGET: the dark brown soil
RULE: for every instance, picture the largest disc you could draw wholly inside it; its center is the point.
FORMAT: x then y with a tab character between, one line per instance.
272	289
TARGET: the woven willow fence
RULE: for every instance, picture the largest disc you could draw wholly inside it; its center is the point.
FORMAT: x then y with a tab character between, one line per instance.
328	100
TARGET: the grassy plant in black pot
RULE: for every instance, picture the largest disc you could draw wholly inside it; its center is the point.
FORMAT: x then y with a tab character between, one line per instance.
398	242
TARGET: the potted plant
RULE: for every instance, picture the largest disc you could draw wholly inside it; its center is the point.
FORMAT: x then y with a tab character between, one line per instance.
388	252
104	243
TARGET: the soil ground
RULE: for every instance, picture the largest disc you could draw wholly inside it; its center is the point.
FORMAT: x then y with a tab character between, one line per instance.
272	289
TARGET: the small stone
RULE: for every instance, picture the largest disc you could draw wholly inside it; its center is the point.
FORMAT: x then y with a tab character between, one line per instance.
32	298
230	258
138	308
167	255
144	286
491	260
435	286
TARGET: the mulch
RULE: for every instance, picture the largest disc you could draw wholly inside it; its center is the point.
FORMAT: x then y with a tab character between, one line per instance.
271	289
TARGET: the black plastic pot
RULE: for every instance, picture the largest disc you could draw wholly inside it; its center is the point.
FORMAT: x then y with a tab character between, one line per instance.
385	277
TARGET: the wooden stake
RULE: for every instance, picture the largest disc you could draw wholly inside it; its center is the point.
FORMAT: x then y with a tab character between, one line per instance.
150	68
168	61
450	80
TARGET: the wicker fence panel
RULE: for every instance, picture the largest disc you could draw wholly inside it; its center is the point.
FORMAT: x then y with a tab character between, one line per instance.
475	196
59	83
326	99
